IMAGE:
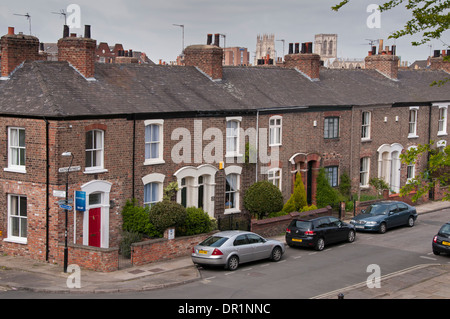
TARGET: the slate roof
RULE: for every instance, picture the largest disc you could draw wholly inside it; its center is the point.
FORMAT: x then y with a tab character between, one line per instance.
56	90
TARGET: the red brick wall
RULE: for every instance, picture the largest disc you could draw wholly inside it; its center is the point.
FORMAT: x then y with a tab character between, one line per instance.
207	58
306	63
163	249
80	52
386	64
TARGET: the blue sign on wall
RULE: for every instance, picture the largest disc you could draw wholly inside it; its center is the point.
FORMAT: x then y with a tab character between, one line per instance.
80	201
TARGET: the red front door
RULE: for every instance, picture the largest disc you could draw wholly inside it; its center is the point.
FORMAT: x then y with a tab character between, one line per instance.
94	227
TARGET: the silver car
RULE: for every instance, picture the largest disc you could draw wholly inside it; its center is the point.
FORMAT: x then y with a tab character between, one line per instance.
234	247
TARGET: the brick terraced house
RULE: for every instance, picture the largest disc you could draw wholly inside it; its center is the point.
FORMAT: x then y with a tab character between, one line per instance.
132	129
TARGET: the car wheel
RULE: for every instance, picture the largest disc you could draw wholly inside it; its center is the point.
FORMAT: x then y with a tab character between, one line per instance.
233	263
351	236
383	228
437	253
276	254
320	245
410	221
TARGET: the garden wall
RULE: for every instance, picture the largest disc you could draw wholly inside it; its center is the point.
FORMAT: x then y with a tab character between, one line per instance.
93	258
275	226
161	249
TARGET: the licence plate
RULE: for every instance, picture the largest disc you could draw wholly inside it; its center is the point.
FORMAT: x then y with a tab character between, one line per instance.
359	226
446	243
297	240
202	252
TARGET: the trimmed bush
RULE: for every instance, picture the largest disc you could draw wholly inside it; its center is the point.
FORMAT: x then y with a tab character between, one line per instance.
326	195
197	222
136	220
298	198
167	214
263	198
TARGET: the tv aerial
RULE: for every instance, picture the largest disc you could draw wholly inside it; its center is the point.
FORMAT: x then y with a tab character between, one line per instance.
28	18
62	13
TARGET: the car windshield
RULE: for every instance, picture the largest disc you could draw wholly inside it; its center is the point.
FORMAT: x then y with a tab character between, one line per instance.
214	241
445	230
377	209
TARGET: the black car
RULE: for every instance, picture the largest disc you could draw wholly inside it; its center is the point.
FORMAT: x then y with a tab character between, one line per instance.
441	242
318	232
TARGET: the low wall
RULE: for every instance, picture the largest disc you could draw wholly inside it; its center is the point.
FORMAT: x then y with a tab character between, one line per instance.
275	226
93	258
160	249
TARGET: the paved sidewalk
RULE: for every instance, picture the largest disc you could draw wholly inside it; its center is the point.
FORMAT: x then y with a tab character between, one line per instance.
429	281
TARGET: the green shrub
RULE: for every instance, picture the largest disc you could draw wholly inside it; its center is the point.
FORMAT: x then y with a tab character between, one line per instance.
263	198
326	195
197	222
298	198
308	208
136	220
167	214
345	185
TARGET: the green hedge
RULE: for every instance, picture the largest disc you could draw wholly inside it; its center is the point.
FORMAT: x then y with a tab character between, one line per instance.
197	222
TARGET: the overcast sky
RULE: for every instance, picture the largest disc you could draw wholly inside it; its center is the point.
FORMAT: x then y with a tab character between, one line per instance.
148	25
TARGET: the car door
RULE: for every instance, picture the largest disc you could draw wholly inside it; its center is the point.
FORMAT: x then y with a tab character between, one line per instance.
243	249
324	229
339	233
260	250
403	212
393	218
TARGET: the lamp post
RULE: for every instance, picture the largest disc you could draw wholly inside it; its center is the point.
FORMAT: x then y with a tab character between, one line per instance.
66	252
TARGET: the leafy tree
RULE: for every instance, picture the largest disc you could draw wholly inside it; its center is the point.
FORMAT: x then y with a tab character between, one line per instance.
263	198
298	198
438	169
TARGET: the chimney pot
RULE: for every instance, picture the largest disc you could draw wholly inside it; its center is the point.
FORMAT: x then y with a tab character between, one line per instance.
10	30
217	40
209	39
291	48
297	48
66	31
87	31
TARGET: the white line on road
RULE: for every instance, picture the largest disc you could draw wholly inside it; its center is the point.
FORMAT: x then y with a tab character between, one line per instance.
426	257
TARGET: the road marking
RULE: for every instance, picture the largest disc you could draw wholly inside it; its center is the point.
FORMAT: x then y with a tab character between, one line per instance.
313	253
426	257
297	257
265	265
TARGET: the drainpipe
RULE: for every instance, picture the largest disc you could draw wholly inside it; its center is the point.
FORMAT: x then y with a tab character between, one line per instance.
134	155
47	204
257	146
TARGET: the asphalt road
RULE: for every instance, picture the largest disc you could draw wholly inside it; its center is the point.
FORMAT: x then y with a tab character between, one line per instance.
305	273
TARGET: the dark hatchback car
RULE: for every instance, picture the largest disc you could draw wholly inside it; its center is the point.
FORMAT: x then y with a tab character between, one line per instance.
441	242
319	232
383	215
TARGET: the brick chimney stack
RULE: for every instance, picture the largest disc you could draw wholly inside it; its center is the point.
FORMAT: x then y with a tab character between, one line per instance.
385	62
78	51
208	58
17	48
303	60
437	61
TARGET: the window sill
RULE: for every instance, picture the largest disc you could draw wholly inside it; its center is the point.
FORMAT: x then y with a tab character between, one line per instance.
365	140
154	161
95	171
231	155
275	145
232	211
15	170
413	136
442	133
22	241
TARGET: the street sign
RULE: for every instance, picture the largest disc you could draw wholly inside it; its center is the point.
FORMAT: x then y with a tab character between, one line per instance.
72	169
65	202
67	207
80	201
61	194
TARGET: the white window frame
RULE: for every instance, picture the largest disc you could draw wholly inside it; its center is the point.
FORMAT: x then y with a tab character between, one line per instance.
233	135
364	172
160	158
332	174
154	179
412	122
14	167
366	126
99	168
16	239
411	168
275	130
274	176
442	121
234	170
